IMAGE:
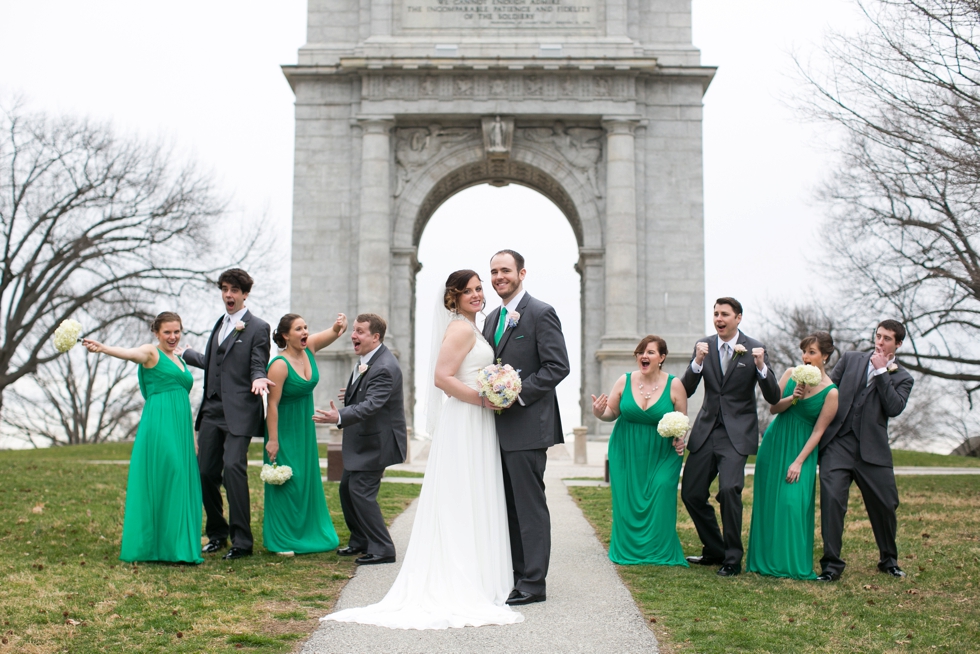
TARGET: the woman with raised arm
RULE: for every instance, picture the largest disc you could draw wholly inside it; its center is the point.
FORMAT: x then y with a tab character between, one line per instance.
296	517
163	494
781	536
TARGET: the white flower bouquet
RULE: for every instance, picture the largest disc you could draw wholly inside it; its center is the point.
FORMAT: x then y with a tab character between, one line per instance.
673	425
806	374
500	384
66	335
275	474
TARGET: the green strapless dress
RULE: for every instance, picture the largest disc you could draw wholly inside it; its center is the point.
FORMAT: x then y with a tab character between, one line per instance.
163	494
781	536
643	472
296	516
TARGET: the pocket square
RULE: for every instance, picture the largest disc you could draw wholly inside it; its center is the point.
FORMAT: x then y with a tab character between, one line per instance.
517	337
239	341
741	365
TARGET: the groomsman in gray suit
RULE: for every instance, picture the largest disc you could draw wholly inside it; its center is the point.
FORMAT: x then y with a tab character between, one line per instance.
526	333
375	437
234	364
725	432
873	388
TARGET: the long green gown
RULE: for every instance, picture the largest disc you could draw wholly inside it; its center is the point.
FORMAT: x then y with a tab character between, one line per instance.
163	494
643	473
781	536
296	516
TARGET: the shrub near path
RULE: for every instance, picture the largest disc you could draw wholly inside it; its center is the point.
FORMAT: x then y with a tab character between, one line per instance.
935	609
64	589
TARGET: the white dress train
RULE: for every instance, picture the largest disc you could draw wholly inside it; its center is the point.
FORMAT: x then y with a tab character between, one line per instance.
457	570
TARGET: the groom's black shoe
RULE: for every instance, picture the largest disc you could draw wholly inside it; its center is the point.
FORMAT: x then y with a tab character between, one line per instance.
828	576
349	551
519	597
214	545
237	553
729	570
703	560
372	559
894	571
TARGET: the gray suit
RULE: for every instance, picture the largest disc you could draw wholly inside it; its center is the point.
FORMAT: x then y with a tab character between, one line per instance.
855	447
229	417
535	347
373	420
725	433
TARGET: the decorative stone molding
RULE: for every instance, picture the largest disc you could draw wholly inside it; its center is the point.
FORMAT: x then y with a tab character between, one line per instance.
417	146
498	137
515	85
581	147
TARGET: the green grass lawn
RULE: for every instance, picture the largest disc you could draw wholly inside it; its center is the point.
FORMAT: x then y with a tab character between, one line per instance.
935	609
63	588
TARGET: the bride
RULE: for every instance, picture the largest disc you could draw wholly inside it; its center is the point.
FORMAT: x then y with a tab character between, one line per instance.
457	571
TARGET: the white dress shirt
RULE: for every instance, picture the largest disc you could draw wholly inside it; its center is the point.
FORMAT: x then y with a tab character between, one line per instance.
731	344
229	323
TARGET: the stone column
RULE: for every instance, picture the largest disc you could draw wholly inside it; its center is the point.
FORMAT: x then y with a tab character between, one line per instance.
621	244
374	233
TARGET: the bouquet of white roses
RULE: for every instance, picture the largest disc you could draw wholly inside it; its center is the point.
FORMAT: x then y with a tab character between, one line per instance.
500	384
673	425
275	474
66	335
806	374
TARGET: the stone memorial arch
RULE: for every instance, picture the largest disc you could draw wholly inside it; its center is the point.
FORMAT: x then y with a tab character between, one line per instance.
596	104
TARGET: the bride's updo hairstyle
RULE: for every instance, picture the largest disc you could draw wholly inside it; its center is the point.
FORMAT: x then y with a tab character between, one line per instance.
285	324
455	286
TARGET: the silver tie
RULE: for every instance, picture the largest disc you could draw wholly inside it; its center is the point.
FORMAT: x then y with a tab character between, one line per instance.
726	357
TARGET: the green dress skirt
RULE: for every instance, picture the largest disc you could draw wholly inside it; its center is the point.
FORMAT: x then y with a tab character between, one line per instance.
781	536
296	516
643	472
163	494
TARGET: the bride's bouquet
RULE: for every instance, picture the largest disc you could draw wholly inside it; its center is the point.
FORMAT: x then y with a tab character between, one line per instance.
673	425
66	335
275	474
806	374
500	384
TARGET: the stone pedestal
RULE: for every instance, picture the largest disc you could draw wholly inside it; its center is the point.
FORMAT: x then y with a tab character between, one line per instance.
581	445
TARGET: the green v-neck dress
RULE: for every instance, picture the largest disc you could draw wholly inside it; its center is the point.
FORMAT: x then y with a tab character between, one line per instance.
163	493
643	472
781	536
296	516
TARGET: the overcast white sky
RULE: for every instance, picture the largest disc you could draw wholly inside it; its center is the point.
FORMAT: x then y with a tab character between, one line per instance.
206	76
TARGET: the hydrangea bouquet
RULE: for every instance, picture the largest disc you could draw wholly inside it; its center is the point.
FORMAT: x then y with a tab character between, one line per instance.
66	335
500	384
275	474
673	425
806	374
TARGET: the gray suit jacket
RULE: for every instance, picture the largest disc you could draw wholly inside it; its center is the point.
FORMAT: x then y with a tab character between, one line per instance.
535	347
873	403
373	416
245	361
731	396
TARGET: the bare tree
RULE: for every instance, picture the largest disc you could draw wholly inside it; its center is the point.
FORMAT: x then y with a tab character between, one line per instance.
905	201
91	223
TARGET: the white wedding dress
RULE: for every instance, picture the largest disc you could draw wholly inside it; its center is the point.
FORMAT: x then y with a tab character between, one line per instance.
457	570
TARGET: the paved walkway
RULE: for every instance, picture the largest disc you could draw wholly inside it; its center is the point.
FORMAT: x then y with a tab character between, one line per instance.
588	608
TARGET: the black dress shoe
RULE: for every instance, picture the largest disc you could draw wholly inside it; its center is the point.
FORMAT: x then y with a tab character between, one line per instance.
894	571
373	559
214	545
519	597
828	576
729	570
349	551
703	560
237	553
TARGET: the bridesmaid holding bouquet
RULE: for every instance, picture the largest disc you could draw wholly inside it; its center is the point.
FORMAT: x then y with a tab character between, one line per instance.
163	494
296	517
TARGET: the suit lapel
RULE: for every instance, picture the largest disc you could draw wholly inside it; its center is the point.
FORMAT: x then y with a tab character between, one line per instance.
742	340
861	374
233	336
506	335
360	378
491	324
714	364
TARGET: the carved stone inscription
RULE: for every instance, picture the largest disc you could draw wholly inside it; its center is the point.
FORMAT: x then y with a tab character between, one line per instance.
476	14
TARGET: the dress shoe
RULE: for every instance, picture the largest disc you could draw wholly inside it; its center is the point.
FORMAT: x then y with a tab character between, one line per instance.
237	553
349	551
703	560
894	571
373	559
828	576
214	545
519	597
729	570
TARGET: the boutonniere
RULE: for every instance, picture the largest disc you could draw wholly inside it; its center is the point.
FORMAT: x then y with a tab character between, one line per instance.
512	319
739	350
239	326
363	368
892	368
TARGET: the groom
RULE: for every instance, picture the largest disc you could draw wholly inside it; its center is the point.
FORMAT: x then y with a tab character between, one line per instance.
873	388
526	333
234	366
725	432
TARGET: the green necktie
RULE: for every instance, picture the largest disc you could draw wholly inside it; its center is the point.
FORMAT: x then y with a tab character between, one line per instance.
501	326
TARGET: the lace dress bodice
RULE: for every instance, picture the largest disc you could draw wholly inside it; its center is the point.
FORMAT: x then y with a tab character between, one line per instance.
479	357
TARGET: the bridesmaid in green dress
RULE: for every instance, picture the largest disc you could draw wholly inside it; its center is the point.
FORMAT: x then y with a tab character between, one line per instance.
296	517
644	467
163	494
781	536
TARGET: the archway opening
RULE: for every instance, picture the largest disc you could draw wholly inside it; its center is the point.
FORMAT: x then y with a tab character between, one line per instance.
464	232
